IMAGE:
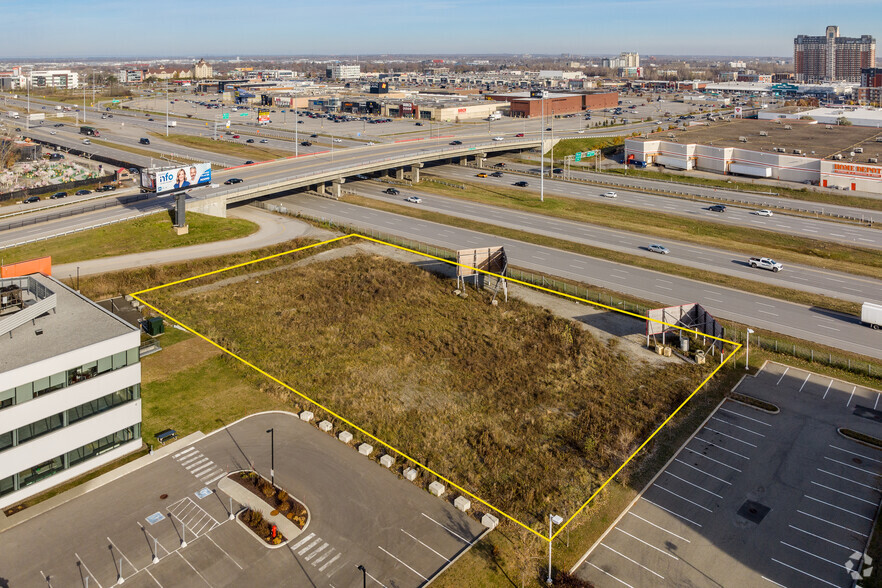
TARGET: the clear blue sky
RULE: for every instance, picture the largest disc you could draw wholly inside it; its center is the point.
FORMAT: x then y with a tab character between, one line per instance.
222	27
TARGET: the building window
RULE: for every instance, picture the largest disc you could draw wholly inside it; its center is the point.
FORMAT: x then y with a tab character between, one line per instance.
40	427
7	485
5	440
40	471
102	445
99	405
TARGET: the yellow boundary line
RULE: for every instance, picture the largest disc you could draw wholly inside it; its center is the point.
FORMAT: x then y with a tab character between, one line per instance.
136	296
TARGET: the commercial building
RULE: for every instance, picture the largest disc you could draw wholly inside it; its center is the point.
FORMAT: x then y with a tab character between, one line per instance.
526	105
339	71
132	74
69	386
870	90
831	57
202	70
55	78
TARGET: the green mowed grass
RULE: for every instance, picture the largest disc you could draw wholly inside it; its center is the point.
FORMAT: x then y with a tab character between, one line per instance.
235	147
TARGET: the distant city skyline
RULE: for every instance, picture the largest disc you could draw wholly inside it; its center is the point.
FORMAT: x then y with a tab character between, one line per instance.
61	29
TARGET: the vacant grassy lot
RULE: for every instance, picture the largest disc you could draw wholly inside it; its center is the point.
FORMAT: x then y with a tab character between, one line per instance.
234	147
569	146
149	233
512	403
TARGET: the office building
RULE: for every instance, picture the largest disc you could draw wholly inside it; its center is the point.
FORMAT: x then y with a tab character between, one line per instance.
70	394
831	57
338	71
624	60
56	78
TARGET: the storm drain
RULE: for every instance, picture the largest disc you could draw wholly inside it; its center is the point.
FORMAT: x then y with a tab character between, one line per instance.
753	511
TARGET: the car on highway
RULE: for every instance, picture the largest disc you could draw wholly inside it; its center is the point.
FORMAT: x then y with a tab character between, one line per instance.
655	248
235	136
414	199
337	140
233	181
521	184
249	162
264	141
763	212
150	120
306	143
392	191
482	175
58	195
82	192
106	188
144	141
314	136
87	142
548	128
53	132
31	200
610	194
56	125
499	138
717	208
249	141
519	135
557	170
456	142
418	124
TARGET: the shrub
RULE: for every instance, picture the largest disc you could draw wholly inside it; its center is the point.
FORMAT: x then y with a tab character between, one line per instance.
282	495
568	580
254	518
284	506
267	489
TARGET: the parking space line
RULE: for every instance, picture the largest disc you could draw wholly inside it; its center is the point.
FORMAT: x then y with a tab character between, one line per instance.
671	512
827	390
154	578
773	582
608	574
647	544
838	507
745	417
678	460
782	375
730	437
404	564
426	546
156	543
835	563
864	535
875	404
224	551
446	529
849	480
850	397
660	528
854	467
844	493
124	557
636	563
805	573
82	563
374	579
857	454
681	498
712	444
805	382
850	549
691	484
330	561
737	426
194	569
712	459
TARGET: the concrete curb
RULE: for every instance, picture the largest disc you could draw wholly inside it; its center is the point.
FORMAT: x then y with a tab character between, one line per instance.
244	497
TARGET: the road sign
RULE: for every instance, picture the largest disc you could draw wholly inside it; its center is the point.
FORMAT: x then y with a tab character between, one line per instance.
226	115
587	154
578	156
114	101
243	114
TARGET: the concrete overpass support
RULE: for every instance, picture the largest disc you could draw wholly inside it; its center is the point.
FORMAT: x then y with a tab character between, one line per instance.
399	173
415	172
214	206
337	188
464	160
480	159
320	189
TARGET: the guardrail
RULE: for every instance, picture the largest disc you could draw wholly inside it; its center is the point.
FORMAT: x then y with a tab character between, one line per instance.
73	211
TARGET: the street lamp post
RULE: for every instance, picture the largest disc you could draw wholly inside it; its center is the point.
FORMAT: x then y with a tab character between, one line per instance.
542	148
747	353
272	457
363	575
296	122
552	520
166	107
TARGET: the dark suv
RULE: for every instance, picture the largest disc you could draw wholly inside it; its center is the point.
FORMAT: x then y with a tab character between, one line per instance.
717	208
392	191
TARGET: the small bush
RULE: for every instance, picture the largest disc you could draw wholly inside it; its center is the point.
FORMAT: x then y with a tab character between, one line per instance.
284	506
267	489
253	518
568	580
282	495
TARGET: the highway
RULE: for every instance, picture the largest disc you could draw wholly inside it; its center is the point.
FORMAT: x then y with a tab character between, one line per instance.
809	323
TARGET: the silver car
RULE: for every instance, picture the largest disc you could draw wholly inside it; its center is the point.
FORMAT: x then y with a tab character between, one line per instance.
655	248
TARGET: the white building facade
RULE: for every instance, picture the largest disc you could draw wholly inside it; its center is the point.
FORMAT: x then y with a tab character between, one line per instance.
70	395
54	78
339	71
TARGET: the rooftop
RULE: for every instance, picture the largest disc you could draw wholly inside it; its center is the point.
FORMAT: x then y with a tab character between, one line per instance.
73	323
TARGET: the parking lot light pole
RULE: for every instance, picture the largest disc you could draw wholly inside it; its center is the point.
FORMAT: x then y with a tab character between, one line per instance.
552	520
363	575
272	457
747	353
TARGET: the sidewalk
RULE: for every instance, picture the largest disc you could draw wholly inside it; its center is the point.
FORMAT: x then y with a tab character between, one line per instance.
246	498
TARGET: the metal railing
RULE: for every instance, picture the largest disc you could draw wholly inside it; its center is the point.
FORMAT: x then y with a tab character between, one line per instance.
73	210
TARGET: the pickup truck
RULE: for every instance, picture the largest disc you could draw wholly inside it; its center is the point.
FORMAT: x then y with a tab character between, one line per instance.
765	263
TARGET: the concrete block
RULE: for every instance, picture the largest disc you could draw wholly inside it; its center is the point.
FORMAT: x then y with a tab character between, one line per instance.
326	426
410	474
462	503
345	436
387	461
437	488
489	521
365	449
306	415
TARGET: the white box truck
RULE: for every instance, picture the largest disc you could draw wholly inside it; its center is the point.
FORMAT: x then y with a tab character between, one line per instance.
12	114
871	315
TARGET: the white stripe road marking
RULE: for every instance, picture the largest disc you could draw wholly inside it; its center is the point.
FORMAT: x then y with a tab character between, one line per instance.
647	544
191	566
782	375
767	312
738	427
805	382
330	561
826	327
190	458
214	478
730	437
844	493
827	390
671	512
805	573
316	552
446	529
119	551
608	574
224	551
850	397
310	546
838	507
712	459
875	404
323	557
691	484
703	472
302	541
203	469
854	467
659	528
851	549
860	455
82	563
196	464
864	535
681	498
773	582
374	579
426	546
633	562
745	417
835	563
404	564
187	450
848	480
712	444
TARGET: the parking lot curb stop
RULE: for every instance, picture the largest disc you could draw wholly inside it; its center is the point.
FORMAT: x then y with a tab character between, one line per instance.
489	521
306	416
387	461
325	426
365	449
410	474
345	436
462	503
437	488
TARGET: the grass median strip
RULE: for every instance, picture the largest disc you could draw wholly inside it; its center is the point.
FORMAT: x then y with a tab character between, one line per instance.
232	148
733	282
783	247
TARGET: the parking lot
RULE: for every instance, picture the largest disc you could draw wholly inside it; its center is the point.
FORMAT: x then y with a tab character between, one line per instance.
166	524
755	498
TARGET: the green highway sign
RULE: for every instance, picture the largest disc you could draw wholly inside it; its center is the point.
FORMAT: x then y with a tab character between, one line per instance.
114	101
578	156
226	115
587	154
244	114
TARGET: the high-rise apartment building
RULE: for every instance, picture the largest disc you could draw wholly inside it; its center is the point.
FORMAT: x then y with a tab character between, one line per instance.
831	57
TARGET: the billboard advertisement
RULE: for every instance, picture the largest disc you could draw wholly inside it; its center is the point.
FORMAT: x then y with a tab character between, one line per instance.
263	116
176	178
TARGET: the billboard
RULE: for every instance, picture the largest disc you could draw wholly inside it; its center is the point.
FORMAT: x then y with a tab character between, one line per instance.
263	116
176	178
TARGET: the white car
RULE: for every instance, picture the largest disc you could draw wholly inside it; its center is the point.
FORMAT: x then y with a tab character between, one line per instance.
338	140
763	212
610	195
414	199
498	139
87	142
659	249
264	141
53	133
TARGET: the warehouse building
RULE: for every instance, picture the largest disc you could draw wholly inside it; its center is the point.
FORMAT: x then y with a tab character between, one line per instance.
529	104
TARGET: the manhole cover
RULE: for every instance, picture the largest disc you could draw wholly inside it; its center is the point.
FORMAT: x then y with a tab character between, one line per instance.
753	511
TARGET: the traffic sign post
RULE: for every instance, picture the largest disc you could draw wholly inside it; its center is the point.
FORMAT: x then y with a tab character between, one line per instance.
226	115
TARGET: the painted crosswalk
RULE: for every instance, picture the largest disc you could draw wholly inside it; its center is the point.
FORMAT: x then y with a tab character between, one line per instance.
318	553
192	517
195	462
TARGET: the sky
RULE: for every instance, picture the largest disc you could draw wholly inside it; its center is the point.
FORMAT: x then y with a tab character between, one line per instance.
196	28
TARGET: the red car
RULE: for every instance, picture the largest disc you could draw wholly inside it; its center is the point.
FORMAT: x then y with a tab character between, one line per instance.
519	135
235	136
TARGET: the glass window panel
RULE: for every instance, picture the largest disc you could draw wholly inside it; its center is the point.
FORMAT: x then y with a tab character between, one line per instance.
133	356
5	440
119	360
58	379
24	393
105	364
7	485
